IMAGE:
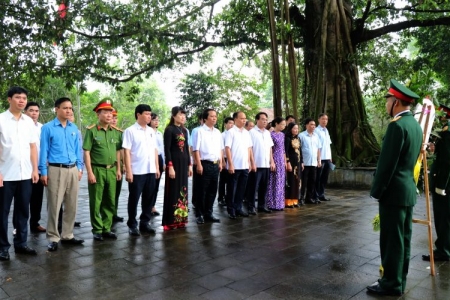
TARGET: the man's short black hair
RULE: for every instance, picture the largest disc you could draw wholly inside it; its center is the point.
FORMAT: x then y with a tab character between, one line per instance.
31	103
140	109
258	115
16	90
307	120
290	117
59	101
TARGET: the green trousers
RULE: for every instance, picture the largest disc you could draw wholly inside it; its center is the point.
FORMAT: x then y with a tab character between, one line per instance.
441	211
102	199
395	245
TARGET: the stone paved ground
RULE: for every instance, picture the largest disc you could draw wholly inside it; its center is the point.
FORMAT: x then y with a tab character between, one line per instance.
325	251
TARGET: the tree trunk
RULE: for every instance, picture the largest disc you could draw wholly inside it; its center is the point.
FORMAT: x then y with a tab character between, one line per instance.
275	61
332	82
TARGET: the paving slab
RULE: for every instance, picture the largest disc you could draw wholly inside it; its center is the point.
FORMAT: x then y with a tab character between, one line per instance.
325	251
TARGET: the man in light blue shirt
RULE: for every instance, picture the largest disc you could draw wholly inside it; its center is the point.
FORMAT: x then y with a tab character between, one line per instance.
325	157
311	145
61	168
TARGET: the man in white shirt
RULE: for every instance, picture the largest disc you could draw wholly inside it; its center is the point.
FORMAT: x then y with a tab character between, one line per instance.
238	148
160	145
207	147
142	168
228	123
325	157
37	192
262	154
191	137
311	145
18	171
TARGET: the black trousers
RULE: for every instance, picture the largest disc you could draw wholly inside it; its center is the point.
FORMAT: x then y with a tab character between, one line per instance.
141	185
157	181
20	191
194	187
308	183
37	194
223	179
236	190
257	187
207	188
322	178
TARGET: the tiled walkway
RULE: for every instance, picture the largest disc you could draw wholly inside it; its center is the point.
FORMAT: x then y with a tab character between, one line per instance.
326	251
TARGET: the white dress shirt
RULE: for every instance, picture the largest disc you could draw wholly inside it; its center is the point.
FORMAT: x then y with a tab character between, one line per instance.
208	142
324	135
239	140
310	144
15	139
262	145
160	144
142	145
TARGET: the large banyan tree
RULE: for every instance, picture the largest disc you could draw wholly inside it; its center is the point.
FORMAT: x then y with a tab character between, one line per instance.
116	41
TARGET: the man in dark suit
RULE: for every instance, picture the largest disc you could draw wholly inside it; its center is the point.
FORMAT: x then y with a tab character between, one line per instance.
394	188
440	190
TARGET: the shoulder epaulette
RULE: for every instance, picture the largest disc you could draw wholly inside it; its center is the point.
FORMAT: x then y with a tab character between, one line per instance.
396	119
90	127
445	128
116	128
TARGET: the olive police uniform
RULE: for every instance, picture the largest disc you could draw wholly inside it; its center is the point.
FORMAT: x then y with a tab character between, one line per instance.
440	179
395	189
103	145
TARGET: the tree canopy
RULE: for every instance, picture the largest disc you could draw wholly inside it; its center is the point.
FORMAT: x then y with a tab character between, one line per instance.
117	41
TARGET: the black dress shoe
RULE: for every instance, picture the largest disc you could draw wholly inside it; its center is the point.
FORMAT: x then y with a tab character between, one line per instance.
252	211
147	228
134	232
200	220
4	255
232	216
53	246
72	241
222	203
436	258
378	290
25	250
77	224
155	213
98	237
311	201
317	201
241	214
264	210
324	199
117	219
109	235
212	219
301	202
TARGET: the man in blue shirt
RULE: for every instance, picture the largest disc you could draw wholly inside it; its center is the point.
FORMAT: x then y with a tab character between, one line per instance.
60	164
311	145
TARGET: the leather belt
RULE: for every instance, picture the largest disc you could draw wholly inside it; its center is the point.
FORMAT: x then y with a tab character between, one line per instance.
62	165
104	166
213	162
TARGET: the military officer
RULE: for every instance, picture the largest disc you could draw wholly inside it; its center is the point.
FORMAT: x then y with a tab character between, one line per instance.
440	191
394	188
102	144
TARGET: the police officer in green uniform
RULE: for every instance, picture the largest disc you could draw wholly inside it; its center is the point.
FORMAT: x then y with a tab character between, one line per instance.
102	144
394	188
440	190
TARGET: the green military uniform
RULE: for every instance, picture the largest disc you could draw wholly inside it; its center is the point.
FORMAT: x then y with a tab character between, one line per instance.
103	145
440	178
395	189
